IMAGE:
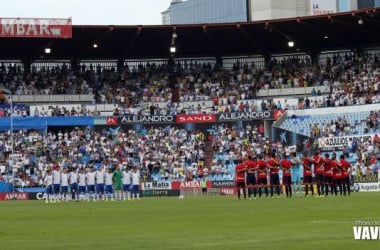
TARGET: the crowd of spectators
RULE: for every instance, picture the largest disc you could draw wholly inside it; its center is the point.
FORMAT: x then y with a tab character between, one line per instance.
169	152
341	127
161	153
352	80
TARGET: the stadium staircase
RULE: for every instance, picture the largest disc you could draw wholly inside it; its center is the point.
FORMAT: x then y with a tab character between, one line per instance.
209	154
175	96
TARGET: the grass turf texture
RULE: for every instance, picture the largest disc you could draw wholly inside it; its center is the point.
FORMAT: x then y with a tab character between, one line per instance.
213	222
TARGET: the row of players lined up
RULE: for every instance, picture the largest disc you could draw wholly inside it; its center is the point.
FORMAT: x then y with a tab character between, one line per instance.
85	184
330	174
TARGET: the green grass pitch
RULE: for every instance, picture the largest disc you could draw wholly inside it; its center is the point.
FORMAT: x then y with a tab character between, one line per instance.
209	222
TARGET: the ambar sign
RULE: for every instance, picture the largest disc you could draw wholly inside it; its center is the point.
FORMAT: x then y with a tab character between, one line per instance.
14	196
36	27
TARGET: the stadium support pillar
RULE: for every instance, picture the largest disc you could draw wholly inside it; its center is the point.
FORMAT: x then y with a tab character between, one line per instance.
314	55
267	59
219	62
268	128
27	64
74	64
172	79
120	64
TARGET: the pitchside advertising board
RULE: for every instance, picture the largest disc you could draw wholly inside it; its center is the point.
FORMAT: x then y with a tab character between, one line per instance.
369	183
223	187
11	196
143	193
36	27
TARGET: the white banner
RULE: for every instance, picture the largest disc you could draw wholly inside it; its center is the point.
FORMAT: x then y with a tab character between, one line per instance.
340	142
367	187
323	7
156	185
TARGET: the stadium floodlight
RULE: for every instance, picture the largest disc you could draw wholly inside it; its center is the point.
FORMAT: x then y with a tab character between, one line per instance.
47	50
291	44
172	49
95	45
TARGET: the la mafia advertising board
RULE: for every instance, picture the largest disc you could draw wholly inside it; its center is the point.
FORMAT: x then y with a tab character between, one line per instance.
156	185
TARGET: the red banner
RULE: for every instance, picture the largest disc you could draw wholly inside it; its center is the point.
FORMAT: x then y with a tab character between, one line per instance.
186	185
278	113
36	27
198	118
14	196
111	120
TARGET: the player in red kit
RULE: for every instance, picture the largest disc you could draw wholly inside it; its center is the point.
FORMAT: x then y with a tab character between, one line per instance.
307	174
318	172
327	174
262	176
345	181
337	174
251	176
286	166
240	170
273	165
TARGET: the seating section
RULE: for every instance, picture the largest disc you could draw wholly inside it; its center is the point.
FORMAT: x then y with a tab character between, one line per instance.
355	123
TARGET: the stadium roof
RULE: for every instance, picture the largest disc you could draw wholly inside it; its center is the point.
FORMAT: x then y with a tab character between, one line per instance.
310	34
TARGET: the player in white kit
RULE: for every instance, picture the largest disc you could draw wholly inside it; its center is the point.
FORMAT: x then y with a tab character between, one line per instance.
48	182
73	177
135	177
90	177
99	178
126	179
109	183
82	184
64	185
56	183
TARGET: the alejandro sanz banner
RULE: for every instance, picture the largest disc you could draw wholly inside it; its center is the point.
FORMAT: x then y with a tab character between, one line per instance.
196	118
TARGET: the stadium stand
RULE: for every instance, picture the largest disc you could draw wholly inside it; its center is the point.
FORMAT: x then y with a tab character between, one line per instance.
329	94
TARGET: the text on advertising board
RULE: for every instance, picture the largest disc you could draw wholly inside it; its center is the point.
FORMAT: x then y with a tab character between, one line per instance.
339	142
156	185
146	119
245	116
199	118
14	196
217	184
323	7
34	27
